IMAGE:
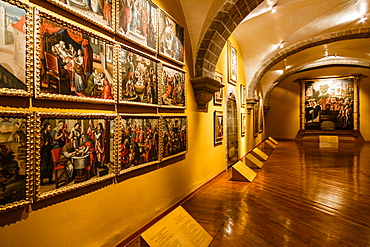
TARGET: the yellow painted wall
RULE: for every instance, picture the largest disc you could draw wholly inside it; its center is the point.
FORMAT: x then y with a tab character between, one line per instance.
110	214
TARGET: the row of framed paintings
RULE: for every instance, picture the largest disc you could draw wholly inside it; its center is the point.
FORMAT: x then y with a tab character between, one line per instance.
140	21
46	154
49	57
218	126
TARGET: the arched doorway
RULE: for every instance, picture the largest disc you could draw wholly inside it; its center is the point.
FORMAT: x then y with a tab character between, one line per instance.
232	128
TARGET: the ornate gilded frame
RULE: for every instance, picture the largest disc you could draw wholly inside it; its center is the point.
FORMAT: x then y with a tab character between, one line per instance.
168	35
23	156
232	61
218	127
166	90
137	37
105	45
139	89
89	14
28	56
219	96
182	131
134	146
89	123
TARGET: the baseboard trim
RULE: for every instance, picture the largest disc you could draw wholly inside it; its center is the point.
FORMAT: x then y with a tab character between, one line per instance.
137	233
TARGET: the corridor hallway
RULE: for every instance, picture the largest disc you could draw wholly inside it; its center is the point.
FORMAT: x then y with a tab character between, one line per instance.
302	196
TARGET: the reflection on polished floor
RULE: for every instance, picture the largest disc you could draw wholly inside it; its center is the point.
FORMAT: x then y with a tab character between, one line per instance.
302	196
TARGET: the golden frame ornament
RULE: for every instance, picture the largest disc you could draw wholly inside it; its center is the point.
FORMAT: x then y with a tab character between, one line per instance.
139	36
94	135
140	142
18	159
92	14
23	30
178	145
171	37
142	68
61	73
172	86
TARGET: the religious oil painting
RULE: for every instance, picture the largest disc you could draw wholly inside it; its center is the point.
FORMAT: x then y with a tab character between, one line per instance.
99	12
173	88
218	124
256	116
175	136
232	63
219	95
137	21
138	78
139	145
74	64
15	161
243	95
329	103
243	124
171	38
74	151
16	48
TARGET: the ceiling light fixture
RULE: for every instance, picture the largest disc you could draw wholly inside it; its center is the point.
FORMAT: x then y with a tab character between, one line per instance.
363	18
281	45
273	9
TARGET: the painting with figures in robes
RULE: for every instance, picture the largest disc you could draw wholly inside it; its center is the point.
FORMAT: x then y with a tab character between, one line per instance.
75	150
137	21
15	146
175	136
100	12
74	65
173	88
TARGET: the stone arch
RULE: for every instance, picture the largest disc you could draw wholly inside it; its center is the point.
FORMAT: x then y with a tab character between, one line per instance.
357	33
223	24
309	67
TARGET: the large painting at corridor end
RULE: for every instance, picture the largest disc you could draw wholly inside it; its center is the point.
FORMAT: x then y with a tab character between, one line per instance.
175	136
75	150
16	48
15	159
74	64
139	146
329	103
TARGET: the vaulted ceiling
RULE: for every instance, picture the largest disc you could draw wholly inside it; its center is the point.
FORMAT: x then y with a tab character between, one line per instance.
280	38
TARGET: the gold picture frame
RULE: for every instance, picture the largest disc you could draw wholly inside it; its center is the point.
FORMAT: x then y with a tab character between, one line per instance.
243	124
218	123
138	78
73	74
145	33
16	64
177	144
17	159
74	151
171	38
172	86
218	96
101	13
140	142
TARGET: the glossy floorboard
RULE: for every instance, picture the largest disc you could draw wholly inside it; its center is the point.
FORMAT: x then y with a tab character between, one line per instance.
302	196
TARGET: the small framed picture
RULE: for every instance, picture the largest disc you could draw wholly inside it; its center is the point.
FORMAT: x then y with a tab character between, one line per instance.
219	96
16	159
232	64
218	123
242	95
243	124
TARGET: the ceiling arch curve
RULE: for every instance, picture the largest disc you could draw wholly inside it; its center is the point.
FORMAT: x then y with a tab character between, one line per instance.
223	24
356	33
338	62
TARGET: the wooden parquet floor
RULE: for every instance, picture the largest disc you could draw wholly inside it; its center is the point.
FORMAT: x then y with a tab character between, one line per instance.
302	196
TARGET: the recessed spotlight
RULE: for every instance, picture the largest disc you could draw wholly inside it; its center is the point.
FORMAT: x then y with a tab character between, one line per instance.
273	9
